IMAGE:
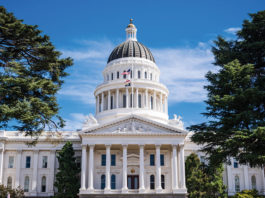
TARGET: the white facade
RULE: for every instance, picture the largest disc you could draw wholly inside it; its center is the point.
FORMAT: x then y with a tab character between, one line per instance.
129	147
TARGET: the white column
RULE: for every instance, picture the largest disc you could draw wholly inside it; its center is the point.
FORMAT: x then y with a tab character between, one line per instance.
146	99
161	102
83	170
229	180
91	168
51	164
107	187
18	171
127	98
124	169
109	100
154	102
245	168
262	181
182	166
175	168
2	164
117	98
142	187
158	170
136	100
166	105
97	107
35	171
102	101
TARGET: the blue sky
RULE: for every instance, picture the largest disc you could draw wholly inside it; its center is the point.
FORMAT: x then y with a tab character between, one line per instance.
179	34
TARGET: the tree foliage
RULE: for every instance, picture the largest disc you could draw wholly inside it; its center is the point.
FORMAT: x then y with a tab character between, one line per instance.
67	179
236	97
247	194
203	181
31	73
14	193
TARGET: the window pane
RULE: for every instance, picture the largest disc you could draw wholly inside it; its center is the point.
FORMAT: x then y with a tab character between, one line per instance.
103	160
237	184
139	101
253	182
9	182
118	75
163	181
152	182
43	184
111	102
162	161
124	101
152	160
102	181
113	182
113	160
11	162
139	74
44	161
26	184
28	162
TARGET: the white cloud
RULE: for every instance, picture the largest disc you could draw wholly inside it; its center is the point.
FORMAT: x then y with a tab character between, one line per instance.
232	30
75	122
182	71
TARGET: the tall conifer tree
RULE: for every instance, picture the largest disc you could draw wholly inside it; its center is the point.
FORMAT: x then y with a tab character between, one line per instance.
236	98
67	179
31	73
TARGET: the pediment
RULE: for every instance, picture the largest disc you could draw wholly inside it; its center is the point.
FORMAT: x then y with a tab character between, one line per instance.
134	125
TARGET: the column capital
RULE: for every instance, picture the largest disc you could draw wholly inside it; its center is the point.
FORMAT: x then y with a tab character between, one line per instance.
108	145
36	151
181	145
141	145
91	146
19	151
124	145
84	146
158	146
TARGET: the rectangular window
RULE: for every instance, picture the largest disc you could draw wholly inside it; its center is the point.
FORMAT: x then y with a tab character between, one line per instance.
28	161
131	74
113	160
111	102
103	160
140	101
124	75
152	160
44	162
131	100
11	162
162	160
111	76
124	101
139	74
151	76
118	75
235	164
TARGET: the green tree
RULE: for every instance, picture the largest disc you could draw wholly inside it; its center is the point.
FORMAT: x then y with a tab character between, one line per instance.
236	97
203	181
14	193
67	179
31	73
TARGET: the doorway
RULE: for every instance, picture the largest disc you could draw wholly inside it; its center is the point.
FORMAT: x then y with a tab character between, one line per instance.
133	181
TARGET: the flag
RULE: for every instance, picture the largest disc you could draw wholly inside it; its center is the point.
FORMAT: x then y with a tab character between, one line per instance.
126	72
127	83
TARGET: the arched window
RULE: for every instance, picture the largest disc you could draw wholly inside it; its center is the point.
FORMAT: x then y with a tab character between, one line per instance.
237	184
43	184
139	74
102	181
253	182
163	181
140	101
9	182
118	75
111	76
145	75
151	102
152	182
26	184
113	182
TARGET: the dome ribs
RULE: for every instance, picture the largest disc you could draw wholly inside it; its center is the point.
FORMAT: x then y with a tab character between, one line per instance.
131	49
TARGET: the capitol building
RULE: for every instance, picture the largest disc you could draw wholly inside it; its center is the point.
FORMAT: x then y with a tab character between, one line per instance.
129	148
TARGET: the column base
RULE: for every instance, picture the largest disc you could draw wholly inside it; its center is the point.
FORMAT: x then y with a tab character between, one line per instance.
159	190
107	190
142	190
90	190
182	190
124	190
33	193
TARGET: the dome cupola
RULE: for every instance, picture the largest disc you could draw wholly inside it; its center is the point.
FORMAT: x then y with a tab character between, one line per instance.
131	47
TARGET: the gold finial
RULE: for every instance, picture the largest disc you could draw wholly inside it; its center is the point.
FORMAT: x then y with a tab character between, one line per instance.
131	25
